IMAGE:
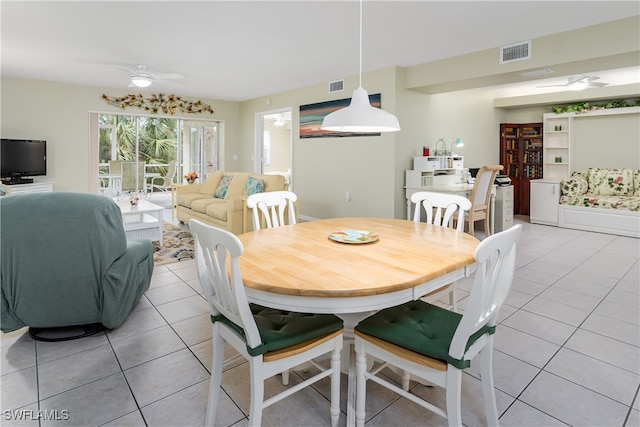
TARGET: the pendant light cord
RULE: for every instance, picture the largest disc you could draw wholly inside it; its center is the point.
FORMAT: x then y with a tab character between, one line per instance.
360	78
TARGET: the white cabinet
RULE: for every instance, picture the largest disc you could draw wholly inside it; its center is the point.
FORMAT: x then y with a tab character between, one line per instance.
545	198
503	219
40	187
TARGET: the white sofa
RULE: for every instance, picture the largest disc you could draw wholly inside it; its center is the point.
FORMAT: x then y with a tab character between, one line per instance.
602	199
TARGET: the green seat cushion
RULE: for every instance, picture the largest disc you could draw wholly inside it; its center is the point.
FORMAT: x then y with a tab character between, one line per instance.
420	327
281	329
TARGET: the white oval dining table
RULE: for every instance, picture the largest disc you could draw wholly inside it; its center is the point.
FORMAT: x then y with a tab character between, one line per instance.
299	267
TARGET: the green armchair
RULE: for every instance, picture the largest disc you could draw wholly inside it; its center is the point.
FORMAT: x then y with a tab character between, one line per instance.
65	261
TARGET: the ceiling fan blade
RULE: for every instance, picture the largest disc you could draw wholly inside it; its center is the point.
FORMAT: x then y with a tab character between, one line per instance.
123	68
589	80
168	76
576	79
555	85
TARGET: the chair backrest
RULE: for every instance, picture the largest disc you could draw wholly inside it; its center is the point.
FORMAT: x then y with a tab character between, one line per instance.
171	174
217	253
115	167
440	208
273	205
133	172
481	193
496	259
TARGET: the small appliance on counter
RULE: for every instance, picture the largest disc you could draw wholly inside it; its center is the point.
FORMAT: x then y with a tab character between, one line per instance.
502	181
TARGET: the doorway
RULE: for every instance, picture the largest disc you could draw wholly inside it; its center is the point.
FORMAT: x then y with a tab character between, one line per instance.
273	144
200	150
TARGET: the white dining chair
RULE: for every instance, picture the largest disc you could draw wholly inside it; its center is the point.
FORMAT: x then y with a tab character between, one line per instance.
446	210
270	340
434	344
272	207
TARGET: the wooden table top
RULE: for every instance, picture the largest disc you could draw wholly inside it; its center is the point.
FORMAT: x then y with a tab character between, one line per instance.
301	260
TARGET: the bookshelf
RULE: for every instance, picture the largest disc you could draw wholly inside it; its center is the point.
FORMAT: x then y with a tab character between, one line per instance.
521	154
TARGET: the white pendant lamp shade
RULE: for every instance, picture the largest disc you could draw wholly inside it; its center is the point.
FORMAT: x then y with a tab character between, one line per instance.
360	116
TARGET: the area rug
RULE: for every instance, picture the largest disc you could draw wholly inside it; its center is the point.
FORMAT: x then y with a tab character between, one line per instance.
177	245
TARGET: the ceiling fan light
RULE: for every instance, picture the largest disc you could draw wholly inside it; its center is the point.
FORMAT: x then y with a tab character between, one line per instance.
141	81
579	85
360	116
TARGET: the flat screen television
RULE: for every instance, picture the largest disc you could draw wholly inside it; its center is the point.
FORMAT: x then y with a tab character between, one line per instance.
21	158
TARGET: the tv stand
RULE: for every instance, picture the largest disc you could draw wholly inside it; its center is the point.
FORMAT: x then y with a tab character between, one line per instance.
39	187
18	181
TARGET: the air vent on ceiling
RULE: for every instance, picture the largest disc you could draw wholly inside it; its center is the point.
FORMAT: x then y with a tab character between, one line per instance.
336	86
515	52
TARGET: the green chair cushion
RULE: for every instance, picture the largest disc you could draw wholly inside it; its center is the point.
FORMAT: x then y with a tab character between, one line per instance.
281	329
420	327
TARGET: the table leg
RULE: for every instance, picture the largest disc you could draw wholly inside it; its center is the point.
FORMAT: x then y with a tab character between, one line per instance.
350	321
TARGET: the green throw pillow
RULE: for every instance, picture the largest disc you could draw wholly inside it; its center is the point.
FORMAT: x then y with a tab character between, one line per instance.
253	186
223	187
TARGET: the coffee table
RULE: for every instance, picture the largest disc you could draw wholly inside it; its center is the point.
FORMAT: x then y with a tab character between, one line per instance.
142	221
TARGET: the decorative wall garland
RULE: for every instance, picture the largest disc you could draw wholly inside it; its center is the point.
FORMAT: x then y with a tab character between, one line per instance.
167	104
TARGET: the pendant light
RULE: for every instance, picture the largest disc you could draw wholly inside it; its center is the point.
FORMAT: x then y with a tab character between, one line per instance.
360	115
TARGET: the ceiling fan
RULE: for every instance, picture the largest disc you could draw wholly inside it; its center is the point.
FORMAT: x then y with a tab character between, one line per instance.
140	77
580	82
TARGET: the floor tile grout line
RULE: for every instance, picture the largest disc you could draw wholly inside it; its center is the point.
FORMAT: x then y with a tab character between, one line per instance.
630	411
533	407
127	381
35	349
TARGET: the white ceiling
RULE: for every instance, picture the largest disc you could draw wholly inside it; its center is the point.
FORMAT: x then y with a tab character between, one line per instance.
239	50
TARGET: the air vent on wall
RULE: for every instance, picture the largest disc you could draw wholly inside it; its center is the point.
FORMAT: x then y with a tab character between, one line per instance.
515	52
336	86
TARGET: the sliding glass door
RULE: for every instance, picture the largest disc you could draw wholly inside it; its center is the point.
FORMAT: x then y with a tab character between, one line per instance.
133	150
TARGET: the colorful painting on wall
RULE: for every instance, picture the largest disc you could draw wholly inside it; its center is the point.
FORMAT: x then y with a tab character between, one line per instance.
311	117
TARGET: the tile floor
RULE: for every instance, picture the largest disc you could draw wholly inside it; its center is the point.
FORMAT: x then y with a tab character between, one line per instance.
567	353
